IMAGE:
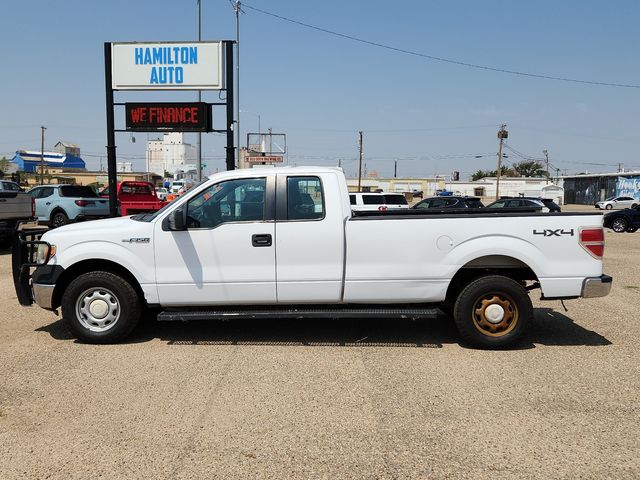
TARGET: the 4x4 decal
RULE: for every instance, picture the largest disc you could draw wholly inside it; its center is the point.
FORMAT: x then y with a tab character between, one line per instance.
547	232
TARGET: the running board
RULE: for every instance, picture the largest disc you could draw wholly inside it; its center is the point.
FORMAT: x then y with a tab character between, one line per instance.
298	312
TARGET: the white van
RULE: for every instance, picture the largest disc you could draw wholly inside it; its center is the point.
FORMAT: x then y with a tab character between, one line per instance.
367	201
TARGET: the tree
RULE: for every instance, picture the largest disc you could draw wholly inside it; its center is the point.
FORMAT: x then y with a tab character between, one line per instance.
4	163
530	168
504	172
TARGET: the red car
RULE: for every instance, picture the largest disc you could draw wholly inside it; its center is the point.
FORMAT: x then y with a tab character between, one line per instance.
136	197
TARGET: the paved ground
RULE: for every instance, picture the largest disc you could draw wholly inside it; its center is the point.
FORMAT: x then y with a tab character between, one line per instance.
312	399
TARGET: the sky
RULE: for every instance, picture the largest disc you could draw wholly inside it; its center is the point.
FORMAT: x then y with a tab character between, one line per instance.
431	117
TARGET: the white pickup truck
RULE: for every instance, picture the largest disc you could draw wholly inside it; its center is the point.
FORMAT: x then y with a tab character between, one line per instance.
285	243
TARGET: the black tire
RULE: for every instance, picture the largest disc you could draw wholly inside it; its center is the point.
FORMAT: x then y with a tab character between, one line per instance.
119	298
619	225
5	243
608	206
471	318
632	229
59	219
634	205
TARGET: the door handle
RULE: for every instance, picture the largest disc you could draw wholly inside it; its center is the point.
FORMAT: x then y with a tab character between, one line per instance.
261	240
48	203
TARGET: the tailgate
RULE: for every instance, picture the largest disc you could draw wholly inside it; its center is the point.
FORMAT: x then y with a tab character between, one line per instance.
15	205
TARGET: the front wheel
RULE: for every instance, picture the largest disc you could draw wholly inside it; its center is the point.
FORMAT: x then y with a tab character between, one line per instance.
492	312
101	307
632	229
619	225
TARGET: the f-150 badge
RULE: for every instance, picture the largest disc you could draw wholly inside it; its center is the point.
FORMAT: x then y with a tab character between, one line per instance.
136	240
547	232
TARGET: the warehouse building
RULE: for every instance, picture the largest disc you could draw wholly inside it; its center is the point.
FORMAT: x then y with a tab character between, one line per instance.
30	161
587	189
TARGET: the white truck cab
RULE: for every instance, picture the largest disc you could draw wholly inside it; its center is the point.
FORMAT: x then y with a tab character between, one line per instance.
285	242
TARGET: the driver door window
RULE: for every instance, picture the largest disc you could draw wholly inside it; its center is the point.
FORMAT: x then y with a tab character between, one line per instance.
231	201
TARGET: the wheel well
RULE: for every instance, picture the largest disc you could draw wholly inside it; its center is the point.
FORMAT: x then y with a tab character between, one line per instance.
56	210
488	265
92	265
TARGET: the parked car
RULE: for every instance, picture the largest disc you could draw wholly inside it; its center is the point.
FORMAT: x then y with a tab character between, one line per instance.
520	204
449	202
617	203
284	243
9	186
627	220
162	193
377	201
547	202
15	206
57	205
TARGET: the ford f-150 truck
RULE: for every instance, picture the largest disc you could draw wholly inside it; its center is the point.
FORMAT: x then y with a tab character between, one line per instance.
285	243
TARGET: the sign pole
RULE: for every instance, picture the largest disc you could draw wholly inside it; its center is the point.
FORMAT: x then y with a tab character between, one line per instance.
230	148
111	135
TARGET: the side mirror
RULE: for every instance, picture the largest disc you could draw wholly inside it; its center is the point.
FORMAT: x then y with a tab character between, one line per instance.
175	221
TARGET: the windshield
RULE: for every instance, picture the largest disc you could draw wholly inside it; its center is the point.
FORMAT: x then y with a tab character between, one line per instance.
147	217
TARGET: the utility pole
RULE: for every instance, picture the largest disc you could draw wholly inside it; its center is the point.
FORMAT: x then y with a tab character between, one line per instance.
199	147
502	134
42	129
360	162
238	9
395	169
545	152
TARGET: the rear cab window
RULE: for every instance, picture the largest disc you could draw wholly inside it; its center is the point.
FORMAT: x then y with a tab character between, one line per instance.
373	199
305	198
395	200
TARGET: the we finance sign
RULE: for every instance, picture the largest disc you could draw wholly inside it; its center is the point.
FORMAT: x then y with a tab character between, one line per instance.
167	66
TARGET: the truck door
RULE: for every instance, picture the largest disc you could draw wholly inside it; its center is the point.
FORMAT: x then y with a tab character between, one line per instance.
309	239
227	253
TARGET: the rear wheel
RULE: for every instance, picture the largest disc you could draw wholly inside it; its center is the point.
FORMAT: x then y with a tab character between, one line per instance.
608	206
492	312
634	205
632	229
619	225
101	307
59	219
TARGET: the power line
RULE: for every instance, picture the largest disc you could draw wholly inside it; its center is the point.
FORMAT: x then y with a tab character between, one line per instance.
440	59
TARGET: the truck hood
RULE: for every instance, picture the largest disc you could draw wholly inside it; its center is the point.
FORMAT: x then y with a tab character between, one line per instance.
115	230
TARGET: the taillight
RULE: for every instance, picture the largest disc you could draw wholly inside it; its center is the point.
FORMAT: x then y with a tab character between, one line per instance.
33	206
84	203
592	240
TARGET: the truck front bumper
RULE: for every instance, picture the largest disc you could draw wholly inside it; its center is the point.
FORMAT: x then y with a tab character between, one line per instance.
596	286
43	295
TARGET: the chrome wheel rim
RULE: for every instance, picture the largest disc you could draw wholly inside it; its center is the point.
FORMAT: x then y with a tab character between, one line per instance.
495	314
619	225
97	309
58	220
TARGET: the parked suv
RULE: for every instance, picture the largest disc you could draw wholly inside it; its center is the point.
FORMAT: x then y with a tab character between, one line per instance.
57	205
627	220
617	203
366	201
449	202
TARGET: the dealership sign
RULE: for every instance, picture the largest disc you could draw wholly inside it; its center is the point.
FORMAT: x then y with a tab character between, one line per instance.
167	66
180	117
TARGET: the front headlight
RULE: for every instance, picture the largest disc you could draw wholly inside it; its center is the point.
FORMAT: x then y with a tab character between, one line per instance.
44	253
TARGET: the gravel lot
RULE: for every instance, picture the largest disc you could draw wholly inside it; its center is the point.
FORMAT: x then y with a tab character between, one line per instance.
319	399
